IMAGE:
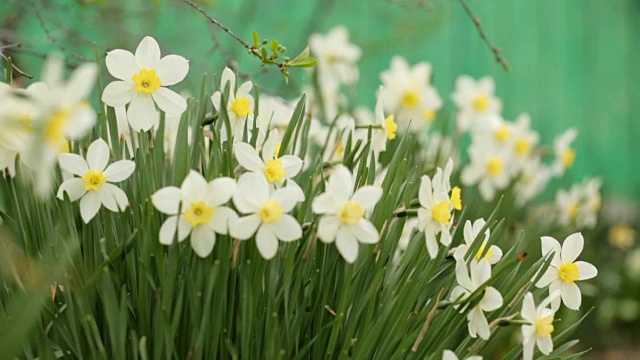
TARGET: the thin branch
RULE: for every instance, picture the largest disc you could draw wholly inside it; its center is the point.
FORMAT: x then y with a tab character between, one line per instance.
13	65
52	38
476	21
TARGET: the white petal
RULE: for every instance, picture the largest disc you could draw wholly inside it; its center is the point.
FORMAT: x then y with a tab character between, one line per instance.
89	206
244	227
347	246
202	241
287	197
167	200
82	81
119	170
220	190
184	228
228	76
572	247
291	165
118	93
549	276
121	64
172	69
425	191
142	113
529	312
221	219
462	275
73	163
340	183
107	198
586	270
478	322
449	355
194	186
252	191
480	272
367	196
328	228
527	348
365	232
549	245
432	244
168	230
115	193
148	53
491	300
287	229
169	101
98	155
74	189
248	157
571	296
545	344
324	204
267	243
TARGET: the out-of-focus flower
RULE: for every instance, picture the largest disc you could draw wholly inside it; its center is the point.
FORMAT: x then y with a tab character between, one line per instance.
622	236
450	355
565	155
488	167
141	83
476	101
93	186
336	57
580	204
540	327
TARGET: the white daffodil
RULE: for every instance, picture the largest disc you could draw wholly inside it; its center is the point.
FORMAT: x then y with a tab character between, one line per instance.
408	93
565	155
450	355
439	149
579	205
274	168
336	57
491	298
533	178
94	184
266	214
524	141
475	101
343	213
196	208
64	115
141	83
386	128
17	111
488	167
436	206
471	232
239	105
540	327
273	113
564	270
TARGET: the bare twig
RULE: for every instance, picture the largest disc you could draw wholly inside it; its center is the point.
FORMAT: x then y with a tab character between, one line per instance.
430	316
13	65
52	38
476	21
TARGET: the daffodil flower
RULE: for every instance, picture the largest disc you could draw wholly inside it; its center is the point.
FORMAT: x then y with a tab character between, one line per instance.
196	208
471	231
565	155
538	331
336	57
564	270
266	214
488	167
491	298
239	104
94	184
450	355
142	80
343	213
475	101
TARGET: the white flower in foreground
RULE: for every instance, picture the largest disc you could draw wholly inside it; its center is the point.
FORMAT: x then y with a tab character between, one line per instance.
196	208
491	298
450	355
142	80
336	56
343	220
436	207
275	169
564	270
239	105
94	185
541	325
475	100
471	232
488	167
565	155
267	214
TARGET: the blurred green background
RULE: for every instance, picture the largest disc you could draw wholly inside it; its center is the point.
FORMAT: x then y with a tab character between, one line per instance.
573	62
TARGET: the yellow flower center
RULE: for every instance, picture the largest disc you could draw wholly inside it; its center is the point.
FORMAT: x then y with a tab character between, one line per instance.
596	203
456	198
271	211
481	103
199	213
93	180
390	127
241	107
440	212
503	133
333	58
429	115
522	146
569	157
574	210
495	165
274	171
544	326
481	250
410	99
568	272
146	82
351	213
622	235
55	128
339	149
